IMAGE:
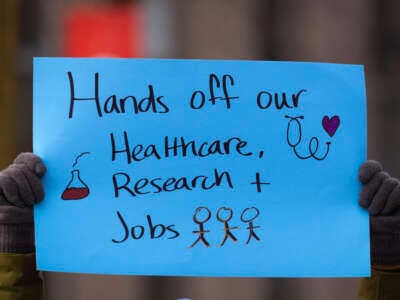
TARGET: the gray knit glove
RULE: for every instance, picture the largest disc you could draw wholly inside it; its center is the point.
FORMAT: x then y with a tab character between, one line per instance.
20	188
381	196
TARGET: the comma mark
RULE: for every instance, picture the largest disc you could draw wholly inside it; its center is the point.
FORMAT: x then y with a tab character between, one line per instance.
261	154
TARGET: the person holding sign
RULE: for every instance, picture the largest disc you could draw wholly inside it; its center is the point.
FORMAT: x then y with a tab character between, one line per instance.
381	196
21	188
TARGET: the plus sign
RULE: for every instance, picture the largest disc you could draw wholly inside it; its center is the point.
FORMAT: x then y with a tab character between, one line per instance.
259	183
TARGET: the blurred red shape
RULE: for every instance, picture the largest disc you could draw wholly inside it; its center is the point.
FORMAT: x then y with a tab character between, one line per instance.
104	31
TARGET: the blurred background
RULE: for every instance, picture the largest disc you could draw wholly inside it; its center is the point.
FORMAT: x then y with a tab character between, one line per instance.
352	31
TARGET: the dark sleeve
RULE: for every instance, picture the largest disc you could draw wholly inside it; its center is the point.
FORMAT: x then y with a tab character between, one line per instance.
382	285
19	279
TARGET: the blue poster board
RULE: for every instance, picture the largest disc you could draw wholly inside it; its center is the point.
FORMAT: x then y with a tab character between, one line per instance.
200	168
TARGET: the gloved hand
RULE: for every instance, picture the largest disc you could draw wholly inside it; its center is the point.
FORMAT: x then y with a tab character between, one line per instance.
380	194
20	183
20	188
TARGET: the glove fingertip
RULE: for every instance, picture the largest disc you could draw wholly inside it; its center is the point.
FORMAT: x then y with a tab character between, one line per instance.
368	169
373	212
40	169
32	161
39	200
363	201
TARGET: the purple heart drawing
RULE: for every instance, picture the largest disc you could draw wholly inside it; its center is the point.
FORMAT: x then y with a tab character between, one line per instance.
330	124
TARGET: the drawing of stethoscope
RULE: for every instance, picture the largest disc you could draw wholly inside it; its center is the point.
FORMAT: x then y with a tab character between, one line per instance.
294	136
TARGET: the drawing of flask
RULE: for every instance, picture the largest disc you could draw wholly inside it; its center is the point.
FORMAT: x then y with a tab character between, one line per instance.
76	188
